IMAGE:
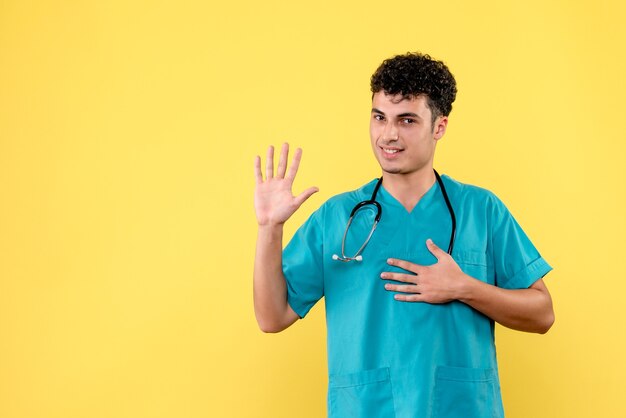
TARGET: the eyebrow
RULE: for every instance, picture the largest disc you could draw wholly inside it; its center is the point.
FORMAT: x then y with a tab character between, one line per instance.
401	115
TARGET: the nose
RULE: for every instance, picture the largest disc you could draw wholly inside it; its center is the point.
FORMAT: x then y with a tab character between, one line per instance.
390	132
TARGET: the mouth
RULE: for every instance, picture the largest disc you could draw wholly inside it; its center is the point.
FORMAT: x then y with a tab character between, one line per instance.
391	152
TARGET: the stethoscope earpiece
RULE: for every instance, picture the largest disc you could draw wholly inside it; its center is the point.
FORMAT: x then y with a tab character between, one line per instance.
346	259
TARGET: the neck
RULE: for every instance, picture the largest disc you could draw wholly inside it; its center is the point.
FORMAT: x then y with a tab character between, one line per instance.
408	189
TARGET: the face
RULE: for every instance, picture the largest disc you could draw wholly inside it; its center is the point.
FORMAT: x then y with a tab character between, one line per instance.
402	133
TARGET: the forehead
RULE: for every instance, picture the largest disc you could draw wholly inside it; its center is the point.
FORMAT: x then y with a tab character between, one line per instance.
396	104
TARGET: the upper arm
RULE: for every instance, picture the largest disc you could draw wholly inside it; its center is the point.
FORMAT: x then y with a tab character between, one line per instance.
548	316
288	318
540	286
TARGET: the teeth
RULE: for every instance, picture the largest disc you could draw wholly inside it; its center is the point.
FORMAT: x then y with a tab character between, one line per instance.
390	151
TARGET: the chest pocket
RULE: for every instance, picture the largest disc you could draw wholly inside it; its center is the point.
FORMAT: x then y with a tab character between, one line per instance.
475	264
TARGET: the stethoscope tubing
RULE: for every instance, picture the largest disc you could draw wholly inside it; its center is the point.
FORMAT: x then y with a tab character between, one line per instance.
452	215
379	212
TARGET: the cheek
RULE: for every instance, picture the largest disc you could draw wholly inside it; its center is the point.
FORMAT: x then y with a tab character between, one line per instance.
376	130
374	142
373	134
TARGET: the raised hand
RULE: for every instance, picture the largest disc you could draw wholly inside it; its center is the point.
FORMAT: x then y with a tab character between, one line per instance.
274	201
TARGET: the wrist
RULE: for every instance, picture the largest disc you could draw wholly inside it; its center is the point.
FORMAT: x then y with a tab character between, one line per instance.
271	226
466	288
271	230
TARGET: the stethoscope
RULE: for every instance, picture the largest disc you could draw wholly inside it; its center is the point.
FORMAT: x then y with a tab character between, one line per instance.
379	212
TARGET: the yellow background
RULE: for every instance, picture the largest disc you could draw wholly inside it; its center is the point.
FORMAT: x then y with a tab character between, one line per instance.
127	232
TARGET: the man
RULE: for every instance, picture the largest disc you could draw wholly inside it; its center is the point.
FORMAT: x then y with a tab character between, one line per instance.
410	326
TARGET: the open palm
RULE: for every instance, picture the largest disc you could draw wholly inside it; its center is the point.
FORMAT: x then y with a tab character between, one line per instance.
274	201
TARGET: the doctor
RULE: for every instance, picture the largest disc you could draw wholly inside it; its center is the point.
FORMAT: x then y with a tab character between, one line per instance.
410	325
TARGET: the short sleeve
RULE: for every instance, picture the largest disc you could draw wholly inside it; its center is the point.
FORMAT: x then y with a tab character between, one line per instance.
302	266
517	262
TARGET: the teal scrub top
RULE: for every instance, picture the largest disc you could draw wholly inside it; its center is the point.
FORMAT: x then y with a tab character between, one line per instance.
388	358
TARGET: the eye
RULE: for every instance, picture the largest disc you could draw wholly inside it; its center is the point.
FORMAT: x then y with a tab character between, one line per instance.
378	116
408	121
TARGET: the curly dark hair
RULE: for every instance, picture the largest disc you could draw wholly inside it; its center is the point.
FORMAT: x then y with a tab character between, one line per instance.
414	74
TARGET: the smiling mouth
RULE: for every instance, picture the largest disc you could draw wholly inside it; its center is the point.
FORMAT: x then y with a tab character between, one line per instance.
390	151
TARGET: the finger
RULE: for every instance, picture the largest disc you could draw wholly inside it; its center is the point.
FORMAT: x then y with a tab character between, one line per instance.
399	277
404	297
436	251
404	288
269	164
405	265
258	176
282	161
295	163
305	195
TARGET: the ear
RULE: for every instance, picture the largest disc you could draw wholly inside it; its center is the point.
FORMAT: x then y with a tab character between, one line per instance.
439	128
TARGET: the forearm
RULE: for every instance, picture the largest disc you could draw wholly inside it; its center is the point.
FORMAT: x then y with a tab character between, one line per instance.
272	311
527	310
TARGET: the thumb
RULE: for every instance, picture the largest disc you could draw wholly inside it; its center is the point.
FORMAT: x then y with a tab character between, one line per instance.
436	251
305	195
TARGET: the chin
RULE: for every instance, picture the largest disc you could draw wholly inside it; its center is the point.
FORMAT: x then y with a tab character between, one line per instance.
392	170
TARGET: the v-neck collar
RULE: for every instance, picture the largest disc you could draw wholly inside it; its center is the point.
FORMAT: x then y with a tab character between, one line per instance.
387	198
